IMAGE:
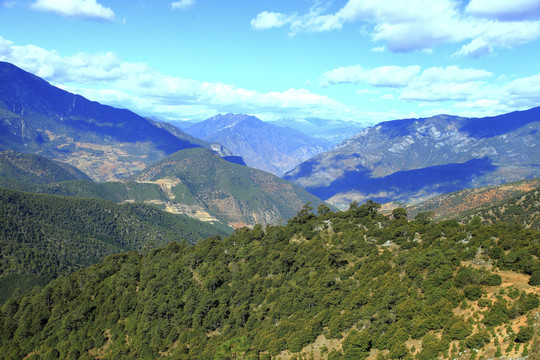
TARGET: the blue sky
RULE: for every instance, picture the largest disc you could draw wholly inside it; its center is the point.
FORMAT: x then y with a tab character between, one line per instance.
358	60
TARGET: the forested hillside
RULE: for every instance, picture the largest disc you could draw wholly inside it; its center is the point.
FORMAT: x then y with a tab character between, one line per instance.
35	169
343	285
45	236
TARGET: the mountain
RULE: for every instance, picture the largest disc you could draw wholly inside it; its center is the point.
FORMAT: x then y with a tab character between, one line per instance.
194	182
457	204
197	181
262	145
416	159
45	236
332	130
345	285
104	142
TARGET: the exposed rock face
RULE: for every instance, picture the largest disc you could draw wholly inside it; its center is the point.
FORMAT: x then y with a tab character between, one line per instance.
415	159
262	145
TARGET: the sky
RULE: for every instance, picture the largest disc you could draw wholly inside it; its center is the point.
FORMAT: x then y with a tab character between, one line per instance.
356	60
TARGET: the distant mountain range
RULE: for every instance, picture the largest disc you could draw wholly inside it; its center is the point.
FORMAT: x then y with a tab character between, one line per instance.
104	142
415	159
109	144
262	145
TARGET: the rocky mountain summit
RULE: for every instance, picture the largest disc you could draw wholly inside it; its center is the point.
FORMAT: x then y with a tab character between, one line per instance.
262	145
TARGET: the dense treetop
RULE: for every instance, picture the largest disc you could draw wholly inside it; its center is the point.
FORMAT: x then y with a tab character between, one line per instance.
377	284
44	236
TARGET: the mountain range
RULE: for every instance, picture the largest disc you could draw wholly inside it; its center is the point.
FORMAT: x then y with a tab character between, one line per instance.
259	268
415	159
104	142
262	145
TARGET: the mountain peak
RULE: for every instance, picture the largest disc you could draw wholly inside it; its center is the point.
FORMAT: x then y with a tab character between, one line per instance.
262	145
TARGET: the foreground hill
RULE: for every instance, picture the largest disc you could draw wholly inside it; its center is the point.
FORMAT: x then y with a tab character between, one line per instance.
344	285
262	145
104	142
415	159
45	236
235	194
458	204
194	182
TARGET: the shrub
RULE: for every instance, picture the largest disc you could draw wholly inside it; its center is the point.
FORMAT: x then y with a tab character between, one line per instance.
525	334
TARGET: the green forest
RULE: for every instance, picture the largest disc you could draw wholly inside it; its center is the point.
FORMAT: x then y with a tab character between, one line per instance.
45	236
356	282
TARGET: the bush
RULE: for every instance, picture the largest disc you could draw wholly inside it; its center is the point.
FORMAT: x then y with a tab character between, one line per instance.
459	330
535	278
493	280
525	334
478	340
473	292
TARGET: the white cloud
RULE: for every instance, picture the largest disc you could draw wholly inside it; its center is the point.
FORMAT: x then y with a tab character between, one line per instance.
475	49
468	91
515	10
453	74
419	25
182	4
267	20
142	89
384	76
78	9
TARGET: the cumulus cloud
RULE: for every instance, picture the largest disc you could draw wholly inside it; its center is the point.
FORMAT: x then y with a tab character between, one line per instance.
477	91
78	9
182	4
505	10
106	78
417	25
268	20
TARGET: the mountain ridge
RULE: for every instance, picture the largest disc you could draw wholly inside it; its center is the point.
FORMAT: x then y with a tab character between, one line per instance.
363	166
104	142
262	145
